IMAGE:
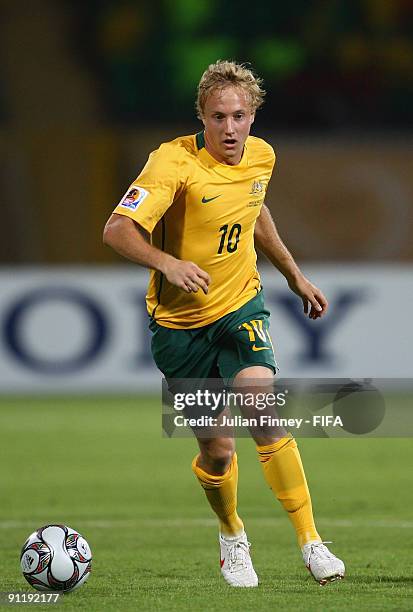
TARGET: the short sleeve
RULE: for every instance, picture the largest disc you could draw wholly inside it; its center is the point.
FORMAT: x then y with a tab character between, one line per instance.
272	157
154	190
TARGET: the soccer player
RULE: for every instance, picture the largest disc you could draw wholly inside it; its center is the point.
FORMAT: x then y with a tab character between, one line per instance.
194	216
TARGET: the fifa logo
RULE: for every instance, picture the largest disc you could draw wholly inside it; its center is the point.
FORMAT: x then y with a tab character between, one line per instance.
257	188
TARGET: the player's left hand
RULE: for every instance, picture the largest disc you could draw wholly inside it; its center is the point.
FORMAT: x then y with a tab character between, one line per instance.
314	301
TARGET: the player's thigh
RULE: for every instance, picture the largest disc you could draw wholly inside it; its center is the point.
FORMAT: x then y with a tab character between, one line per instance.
188	360
182	354
263	376
248	347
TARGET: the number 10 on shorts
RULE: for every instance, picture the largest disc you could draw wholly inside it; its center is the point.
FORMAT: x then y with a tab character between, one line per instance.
255	329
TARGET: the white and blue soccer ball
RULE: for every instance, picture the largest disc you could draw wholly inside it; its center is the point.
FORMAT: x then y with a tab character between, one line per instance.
56	558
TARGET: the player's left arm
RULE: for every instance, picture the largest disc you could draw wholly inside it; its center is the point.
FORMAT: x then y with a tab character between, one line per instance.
268	241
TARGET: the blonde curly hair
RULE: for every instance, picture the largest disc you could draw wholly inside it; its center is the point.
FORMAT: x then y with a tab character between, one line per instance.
225	73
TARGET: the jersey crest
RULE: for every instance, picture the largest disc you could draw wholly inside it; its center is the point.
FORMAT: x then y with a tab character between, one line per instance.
257	188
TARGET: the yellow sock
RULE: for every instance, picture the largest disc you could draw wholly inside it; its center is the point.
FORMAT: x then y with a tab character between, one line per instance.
221	492
283	471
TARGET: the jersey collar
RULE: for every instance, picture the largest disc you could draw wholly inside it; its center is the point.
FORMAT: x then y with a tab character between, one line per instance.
211	162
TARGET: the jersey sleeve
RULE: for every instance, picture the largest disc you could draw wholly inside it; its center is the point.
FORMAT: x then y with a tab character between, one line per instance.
157	186
272	158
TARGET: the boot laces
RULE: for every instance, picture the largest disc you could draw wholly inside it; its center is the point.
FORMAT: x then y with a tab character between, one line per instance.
318	549
238	556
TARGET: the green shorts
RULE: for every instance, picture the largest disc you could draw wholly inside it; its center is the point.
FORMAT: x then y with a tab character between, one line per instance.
220	350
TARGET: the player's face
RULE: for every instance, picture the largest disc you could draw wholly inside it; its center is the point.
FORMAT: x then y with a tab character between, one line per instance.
227	120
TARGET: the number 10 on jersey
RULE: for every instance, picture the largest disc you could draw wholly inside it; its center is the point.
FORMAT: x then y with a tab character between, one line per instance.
229	239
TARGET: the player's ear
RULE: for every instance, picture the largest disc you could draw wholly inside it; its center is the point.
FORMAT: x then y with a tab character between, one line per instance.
252	117
200	116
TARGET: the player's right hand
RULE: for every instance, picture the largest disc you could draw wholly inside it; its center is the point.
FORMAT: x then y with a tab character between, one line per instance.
187	276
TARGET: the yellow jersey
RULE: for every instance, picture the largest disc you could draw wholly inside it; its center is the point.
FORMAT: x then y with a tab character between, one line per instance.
198	209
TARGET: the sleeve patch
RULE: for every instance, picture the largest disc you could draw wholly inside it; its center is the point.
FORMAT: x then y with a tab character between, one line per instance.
133	198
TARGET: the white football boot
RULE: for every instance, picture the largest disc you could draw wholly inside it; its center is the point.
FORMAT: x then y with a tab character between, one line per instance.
236	564
322	564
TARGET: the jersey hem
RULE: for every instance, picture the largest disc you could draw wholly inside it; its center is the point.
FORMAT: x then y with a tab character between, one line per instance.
171	325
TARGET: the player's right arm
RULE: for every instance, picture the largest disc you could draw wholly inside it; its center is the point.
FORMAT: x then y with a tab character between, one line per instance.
127	238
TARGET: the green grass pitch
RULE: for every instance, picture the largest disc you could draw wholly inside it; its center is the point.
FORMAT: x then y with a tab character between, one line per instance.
102	466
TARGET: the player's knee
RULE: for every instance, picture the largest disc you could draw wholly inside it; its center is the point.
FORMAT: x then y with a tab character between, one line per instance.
217	457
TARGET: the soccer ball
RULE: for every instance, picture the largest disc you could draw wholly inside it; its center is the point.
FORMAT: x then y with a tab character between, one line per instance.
56	558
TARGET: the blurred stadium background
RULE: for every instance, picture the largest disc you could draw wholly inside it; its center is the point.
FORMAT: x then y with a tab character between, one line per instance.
88	89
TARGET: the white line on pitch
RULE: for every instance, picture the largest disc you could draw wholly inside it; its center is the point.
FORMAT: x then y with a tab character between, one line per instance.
208	522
